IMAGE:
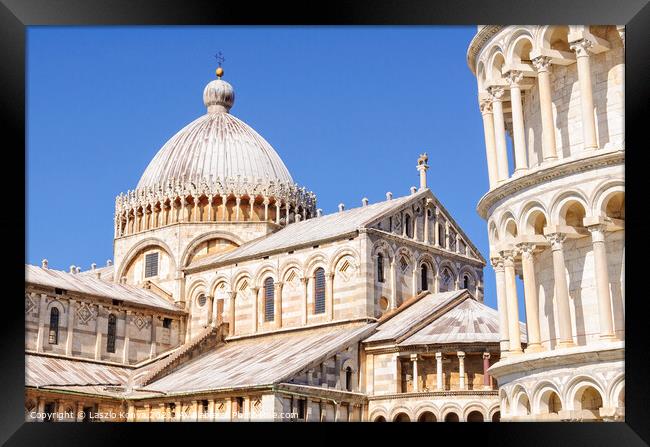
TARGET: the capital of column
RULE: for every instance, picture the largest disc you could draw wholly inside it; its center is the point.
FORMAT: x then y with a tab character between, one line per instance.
526	249
514	77
438	355
508	258
414	357
581	47
497	264
496	93
486	356
597	232
254	289
556	240
486	106
330	275
542	63
460	354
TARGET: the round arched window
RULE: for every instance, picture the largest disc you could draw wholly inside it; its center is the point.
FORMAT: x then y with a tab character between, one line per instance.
201	300
383	304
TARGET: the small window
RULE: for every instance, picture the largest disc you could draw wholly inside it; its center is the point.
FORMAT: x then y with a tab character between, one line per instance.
167	323
301	408
205	406
466	282
58	291
151	265
239	405
319	291
380	268
348	378
201	300
424	277
112	331
404	264
407	226
172	410
269	300
54	326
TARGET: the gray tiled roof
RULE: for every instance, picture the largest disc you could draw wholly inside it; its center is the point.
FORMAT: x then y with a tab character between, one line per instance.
91	285
41	371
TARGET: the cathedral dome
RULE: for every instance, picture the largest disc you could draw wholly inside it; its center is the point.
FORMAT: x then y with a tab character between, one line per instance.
216	146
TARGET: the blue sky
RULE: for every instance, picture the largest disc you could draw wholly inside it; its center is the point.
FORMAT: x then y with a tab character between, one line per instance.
348	109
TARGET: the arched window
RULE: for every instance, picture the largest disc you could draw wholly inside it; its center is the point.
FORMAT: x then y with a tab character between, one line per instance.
54	326
319	291
269	300
348	378
111	333
441	235
380	268
424	280
466	282
407	226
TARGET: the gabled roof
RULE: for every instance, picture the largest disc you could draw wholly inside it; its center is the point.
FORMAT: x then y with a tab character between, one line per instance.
404	320
91	285
449	317
468	322
311	231
259	360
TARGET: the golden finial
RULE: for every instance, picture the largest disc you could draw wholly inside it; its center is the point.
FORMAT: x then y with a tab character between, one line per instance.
220	60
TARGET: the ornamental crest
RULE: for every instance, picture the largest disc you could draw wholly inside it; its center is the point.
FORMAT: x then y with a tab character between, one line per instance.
347	269
85	313
29	303
257	406
140	322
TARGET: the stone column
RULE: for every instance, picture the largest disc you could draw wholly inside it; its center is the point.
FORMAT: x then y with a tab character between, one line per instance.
393	285
210	303
329	303
439	383
277	212
287	211
602	282
152	352
461	370
70	331
530	297
277	306
499	133
125	353
251	203
458	239
426	221
255	316
416	386
542	64
126	227
502	300
224	209
436	228
237	204
210	210
513	304
211	410
486	366
519	137
447	238
305	310
231	314
416	227
490	144
183	210
42	311
266	209
586	96
98	339
130	412
561	290
414	279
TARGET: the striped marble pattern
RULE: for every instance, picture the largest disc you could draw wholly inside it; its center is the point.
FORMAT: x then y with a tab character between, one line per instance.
91	285
215	146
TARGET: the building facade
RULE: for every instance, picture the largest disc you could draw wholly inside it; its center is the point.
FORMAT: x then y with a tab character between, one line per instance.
555	212
232	297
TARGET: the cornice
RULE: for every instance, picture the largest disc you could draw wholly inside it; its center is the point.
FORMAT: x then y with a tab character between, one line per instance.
547	173
482	36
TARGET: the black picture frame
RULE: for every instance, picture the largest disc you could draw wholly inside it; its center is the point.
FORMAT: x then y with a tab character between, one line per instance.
16	15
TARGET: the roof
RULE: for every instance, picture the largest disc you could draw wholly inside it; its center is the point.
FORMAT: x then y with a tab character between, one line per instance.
311	230
468	322
404	321
424	320
43	370
89	284
216	145
106	273
259	360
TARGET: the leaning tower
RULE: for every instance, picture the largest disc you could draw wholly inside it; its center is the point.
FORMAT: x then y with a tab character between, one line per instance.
551	98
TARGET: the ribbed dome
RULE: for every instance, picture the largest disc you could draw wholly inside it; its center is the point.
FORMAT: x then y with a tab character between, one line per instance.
216	146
